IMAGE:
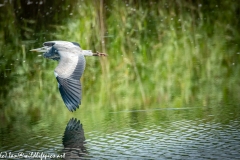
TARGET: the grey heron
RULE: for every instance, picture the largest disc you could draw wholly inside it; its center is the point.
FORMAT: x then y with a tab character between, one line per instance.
69	70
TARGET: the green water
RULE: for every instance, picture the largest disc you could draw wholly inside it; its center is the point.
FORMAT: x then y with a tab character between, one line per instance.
169	88
187	133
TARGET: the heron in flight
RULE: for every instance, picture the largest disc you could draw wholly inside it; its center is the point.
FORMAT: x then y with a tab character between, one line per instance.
69	70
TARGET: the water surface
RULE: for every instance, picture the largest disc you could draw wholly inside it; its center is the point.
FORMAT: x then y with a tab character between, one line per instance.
189	133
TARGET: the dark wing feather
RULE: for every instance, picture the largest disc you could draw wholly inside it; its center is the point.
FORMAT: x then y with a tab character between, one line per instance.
70	88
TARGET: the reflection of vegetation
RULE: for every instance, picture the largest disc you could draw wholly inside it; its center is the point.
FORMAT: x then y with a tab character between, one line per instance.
160	53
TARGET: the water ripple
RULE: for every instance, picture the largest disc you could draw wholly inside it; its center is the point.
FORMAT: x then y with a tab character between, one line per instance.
183	139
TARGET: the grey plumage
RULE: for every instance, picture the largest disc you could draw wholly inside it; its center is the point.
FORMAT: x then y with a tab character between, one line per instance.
69	70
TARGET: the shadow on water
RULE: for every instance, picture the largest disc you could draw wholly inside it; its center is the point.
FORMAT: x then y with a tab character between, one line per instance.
74	140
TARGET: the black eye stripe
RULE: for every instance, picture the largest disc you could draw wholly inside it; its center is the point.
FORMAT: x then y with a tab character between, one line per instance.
48	44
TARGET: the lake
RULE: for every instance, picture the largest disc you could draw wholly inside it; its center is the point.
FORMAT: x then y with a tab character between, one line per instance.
172	133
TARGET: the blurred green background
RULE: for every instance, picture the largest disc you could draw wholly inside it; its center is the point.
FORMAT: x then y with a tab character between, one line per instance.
162	54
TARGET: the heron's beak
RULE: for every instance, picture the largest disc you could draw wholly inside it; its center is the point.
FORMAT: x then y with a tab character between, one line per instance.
39	50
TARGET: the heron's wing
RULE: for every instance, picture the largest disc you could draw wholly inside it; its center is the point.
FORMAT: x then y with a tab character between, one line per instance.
68	74
71	92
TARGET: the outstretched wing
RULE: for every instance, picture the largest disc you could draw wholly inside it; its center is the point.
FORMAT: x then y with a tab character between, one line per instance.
70	91
68	74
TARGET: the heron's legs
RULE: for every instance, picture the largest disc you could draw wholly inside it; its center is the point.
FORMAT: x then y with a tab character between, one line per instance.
100	54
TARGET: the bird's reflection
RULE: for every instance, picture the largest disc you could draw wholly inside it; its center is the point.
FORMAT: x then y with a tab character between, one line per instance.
74	140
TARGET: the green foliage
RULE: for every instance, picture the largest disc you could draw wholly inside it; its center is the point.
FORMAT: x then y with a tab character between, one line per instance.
164	55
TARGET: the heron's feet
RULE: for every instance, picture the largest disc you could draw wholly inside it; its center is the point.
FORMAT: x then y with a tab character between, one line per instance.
101	54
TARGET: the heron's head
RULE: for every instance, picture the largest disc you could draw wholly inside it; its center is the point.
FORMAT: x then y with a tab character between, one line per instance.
48	52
